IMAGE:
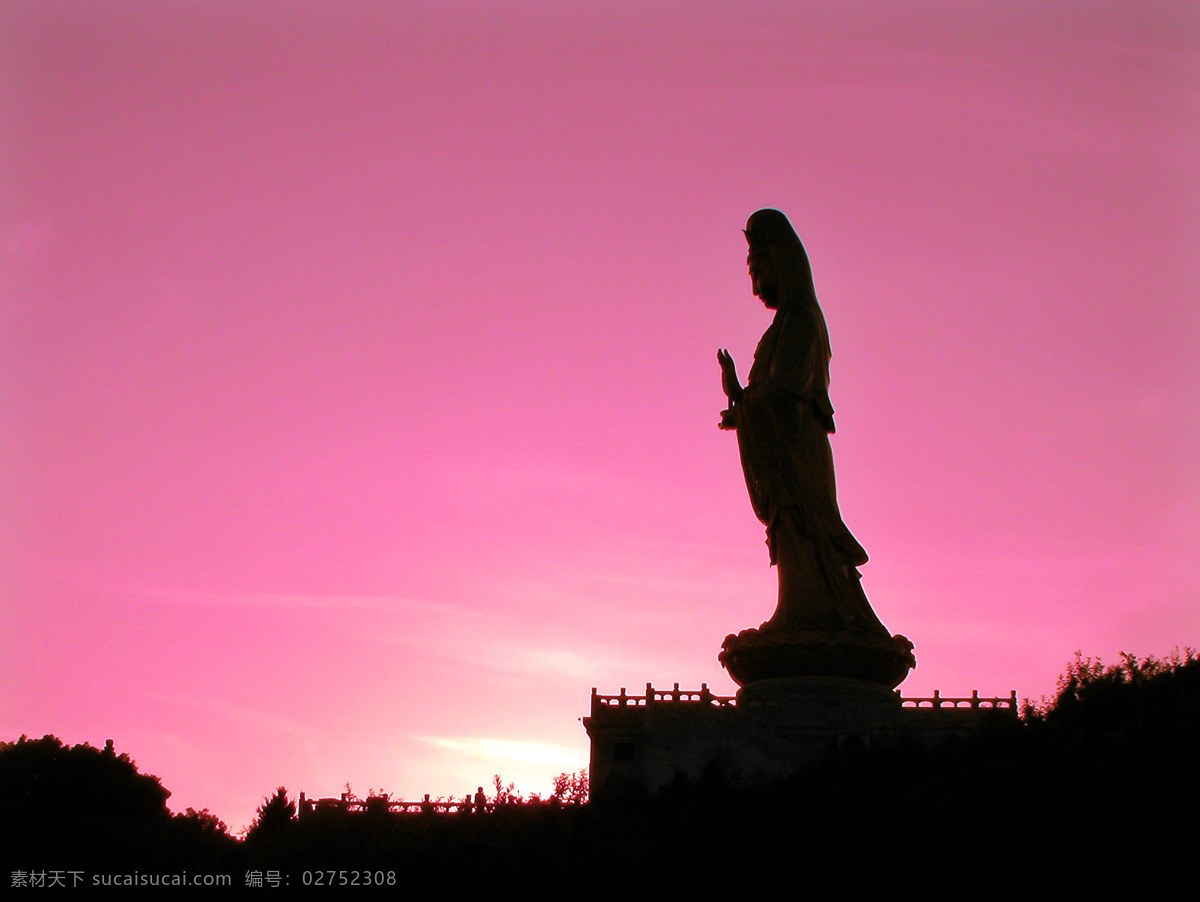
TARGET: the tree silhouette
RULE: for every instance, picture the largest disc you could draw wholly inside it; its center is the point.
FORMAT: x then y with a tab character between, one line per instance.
275	816
80	801
572	788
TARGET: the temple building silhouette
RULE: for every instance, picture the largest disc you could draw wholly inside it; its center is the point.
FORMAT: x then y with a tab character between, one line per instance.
648	740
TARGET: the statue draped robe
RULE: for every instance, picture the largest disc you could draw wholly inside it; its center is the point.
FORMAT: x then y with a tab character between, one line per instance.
783	425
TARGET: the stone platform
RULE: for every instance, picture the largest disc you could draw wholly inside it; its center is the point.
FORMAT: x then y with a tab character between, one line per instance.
769	730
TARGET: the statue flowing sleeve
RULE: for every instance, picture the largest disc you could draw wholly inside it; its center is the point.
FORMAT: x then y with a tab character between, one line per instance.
783	431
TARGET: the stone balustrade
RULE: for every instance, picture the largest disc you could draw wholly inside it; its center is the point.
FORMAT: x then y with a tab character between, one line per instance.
701	696
975	702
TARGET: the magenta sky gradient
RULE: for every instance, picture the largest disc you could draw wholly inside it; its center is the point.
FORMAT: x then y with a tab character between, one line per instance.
358	377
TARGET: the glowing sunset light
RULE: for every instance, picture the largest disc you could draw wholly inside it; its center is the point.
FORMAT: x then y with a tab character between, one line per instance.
357	361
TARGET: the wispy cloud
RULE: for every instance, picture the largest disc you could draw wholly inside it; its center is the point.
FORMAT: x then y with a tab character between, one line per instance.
234	712
174	595
490	749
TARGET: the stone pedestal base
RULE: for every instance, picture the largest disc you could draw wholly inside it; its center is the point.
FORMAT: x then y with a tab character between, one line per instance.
808	707
776	654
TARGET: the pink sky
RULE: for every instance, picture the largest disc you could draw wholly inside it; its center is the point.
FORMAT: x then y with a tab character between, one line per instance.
357	360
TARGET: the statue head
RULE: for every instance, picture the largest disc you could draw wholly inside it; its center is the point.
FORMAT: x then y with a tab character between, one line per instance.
779	270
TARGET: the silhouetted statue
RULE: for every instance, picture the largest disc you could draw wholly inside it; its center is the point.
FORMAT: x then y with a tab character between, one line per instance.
783	418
